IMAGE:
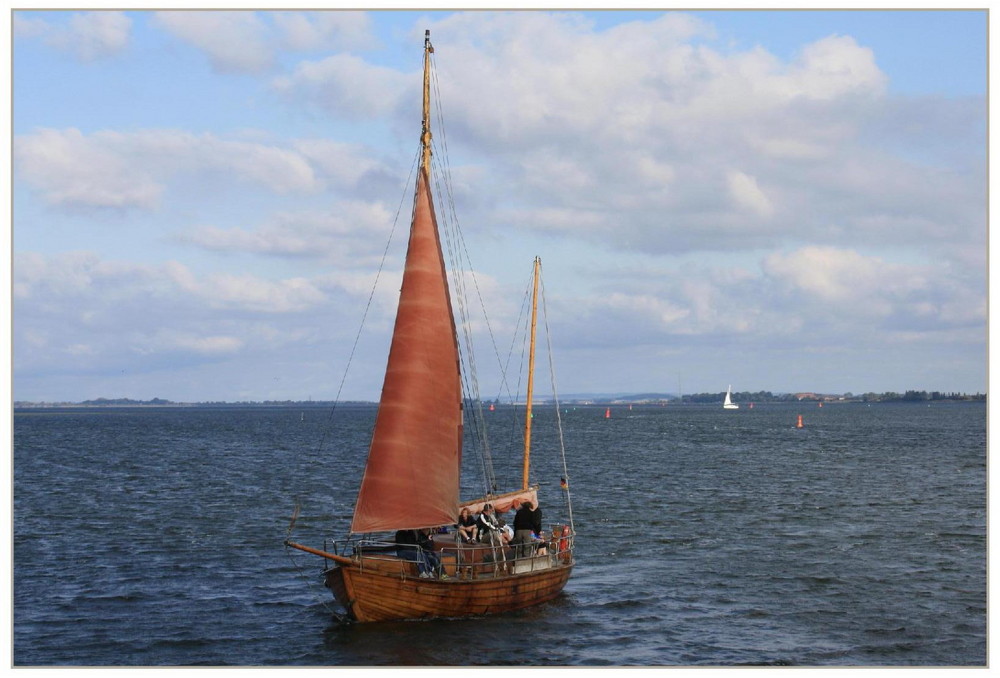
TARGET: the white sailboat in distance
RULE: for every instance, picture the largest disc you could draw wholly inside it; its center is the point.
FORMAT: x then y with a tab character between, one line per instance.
728	403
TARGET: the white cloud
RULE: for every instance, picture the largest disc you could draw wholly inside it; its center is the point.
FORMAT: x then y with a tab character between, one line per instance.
747	194
245	292
854	290
653	119
250	42
344	164
348	86
833	275
89	36
836	66
69	276
234	41
323	30
85	281
79	314
71	169
115	169
169	341
352	235
97	34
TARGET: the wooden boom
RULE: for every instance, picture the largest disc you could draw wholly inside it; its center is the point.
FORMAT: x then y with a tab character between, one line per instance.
330	556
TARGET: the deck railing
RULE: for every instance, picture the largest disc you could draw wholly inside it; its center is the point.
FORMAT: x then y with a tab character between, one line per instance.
459	560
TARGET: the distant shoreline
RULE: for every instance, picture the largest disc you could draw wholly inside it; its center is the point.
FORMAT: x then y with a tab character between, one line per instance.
576	399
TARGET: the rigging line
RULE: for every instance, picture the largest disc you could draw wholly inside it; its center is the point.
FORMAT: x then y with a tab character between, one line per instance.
473	412
555	397
460	247
309	582
505	367
515	434
453	231
454	236
469	376
371	296
446	163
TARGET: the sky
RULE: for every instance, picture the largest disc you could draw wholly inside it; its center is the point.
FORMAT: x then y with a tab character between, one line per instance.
779	200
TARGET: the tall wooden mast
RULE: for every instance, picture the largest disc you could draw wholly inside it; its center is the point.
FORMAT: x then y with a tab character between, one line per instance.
425	135
531	375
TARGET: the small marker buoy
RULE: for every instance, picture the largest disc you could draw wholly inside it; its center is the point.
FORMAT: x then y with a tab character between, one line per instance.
607	413
799	423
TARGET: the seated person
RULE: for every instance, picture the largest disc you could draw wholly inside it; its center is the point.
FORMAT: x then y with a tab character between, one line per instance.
416	546
541	544
556	536
488	527
467	528
506	532
426	543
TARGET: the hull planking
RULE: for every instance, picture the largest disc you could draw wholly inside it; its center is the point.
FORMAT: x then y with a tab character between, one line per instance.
378	594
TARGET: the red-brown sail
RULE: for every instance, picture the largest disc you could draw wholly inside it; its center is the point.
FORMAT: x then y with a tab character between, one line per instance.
412	476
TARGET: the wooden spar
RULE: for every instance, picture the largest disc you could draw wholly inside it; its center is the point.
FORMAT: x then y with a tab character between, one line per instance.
531	376
330	556
425	136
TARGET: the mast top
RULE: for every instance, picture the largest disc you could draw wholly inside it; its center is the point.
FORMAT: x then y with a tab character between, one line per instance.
425	134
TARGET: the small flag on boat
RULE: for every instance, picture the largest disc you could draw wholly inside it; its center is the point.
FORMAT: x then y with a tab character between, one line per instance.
563	484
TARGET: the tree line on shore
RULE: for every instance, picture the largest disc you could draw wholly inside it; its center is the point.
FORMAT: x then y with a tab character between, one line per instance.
885	397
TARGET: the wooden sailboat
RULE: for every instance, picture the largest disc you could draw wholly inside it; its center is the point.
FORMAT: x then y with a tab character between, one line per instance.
412	477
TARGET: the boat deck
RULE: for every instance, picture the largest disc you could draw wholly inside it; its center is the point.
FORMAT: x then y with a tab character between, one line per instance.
463	561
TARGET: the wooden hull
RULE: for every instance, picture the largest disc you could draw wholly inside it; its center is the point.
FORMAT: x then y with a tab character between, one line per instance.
377	594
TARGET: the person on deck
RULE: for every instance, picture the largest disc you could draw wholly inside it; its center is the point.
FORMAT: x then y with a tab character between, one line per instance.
426	543
527	524
489	530
407	549
415	546
506	532
467	528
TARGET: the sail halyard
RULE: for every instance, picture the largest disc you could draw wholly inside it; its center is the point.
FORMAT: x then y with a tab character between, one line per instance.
412	474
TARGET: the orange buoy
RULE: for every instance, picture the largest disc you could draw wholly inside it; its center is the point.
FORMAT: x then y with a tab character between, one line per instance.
607	413
492	408
799	424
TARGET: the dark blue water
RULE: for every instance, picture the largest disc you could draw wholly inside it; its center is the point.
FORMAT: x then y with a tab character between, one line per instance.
705	537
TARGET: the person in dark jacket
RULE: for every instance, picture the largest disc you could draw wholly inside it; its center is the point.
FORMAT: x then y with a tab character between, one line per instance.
527	524
416	546
489	529
425	541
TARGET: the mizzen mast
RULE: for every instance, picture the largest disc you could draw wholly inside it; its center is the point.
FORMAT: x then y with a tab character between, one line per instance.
531	376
